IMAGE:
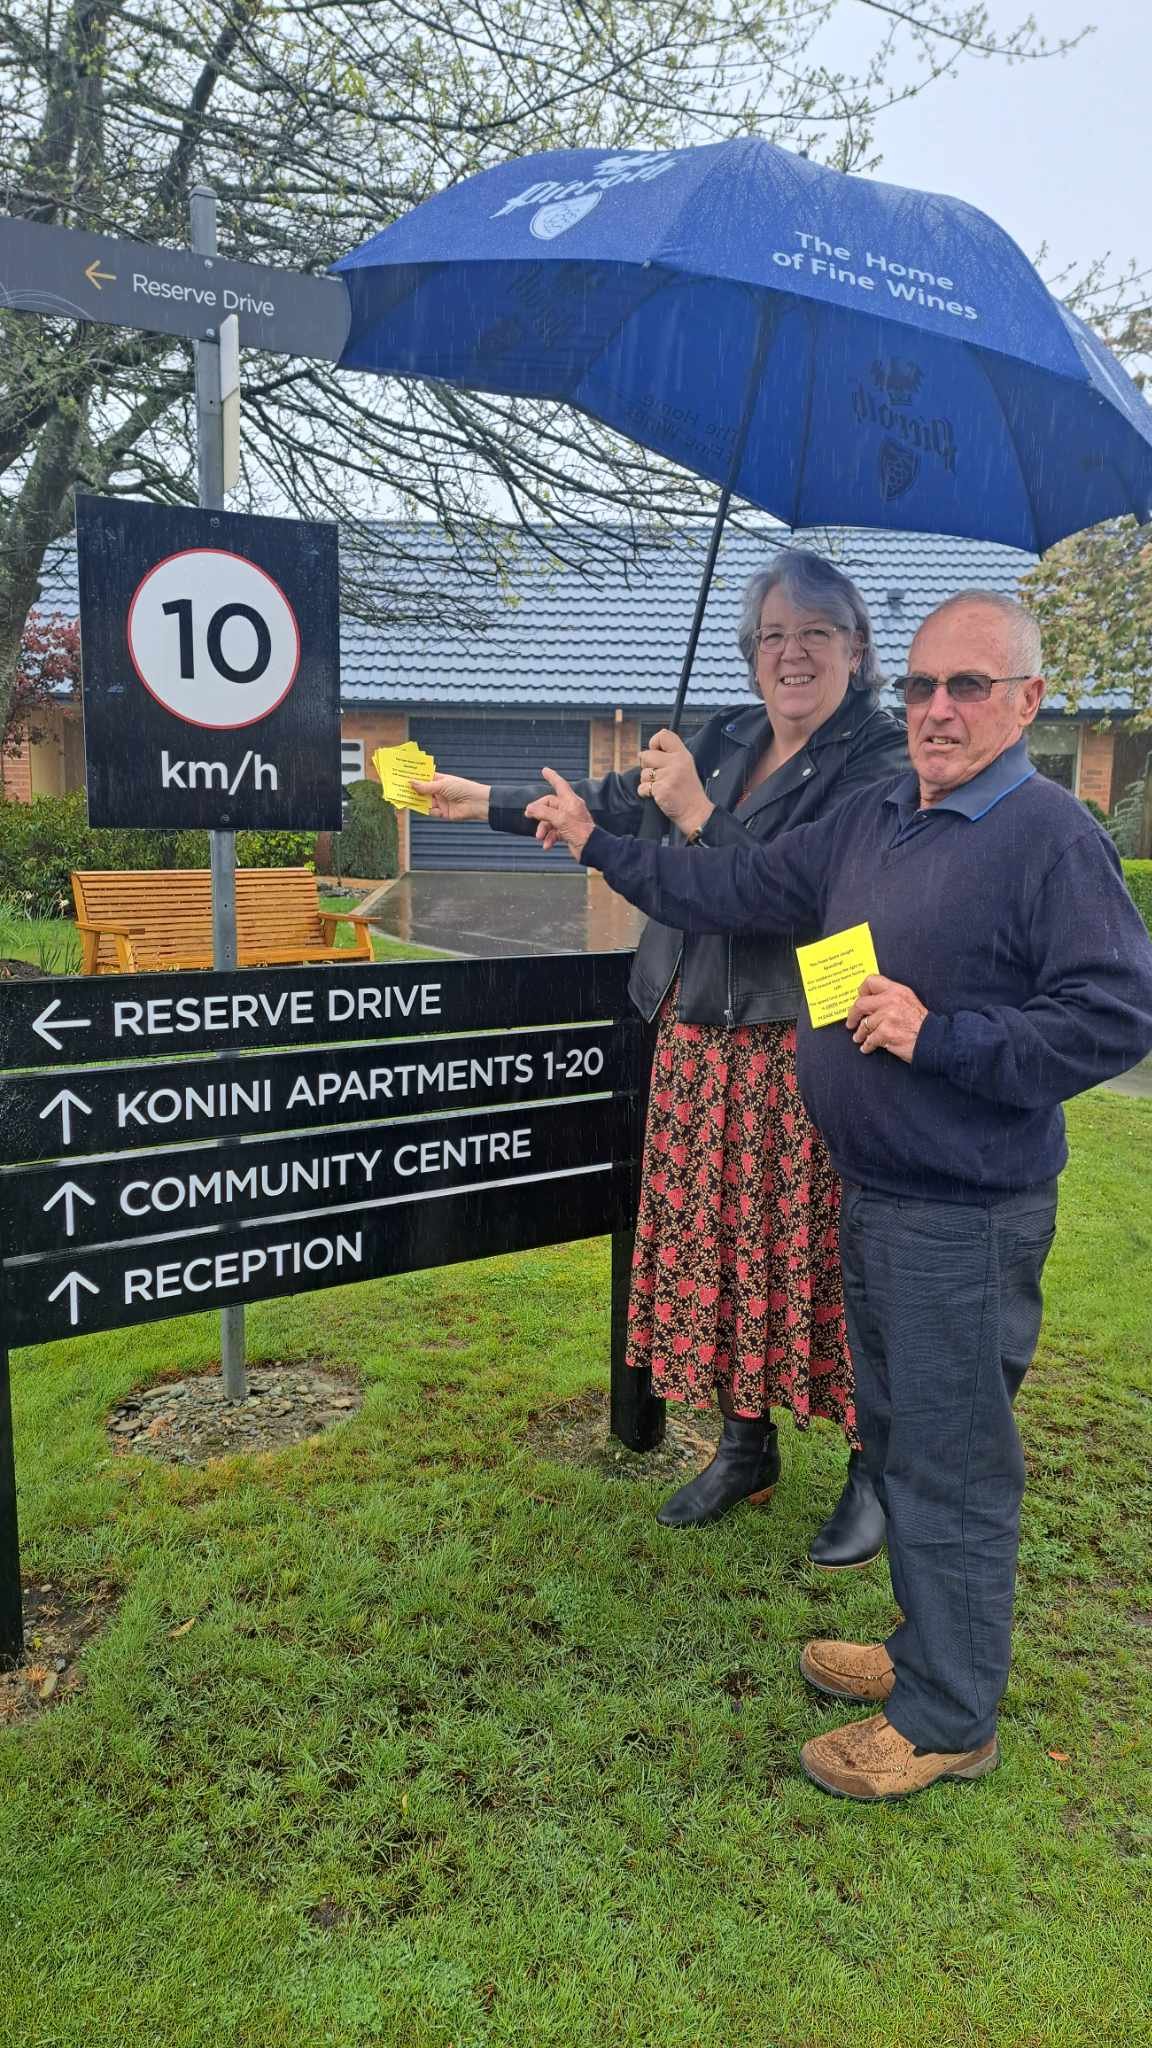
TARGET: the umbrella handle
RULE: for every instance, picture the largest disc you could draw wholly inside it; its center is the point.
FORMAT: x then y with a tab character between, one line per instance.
653	824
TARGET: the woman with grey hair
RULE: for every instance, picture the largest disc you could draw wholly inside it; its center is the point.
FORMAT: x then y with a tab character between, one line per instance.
736	1291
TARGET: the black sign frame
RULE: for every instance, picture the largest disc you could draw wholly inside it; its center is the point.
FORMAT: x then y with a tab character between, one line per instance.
583	1180
147	764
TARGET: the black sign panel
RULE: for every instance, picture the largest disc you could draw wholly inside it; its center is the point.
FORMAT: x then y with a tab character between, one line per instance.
72	275
210	652
76	1110
135	1017
194	1187
93	1243
142	1283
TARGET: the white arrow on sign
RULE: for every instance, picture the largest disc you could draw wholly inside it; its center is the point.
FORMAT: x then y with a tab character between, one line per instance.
65	1101
68	1194
71	1285
47	1024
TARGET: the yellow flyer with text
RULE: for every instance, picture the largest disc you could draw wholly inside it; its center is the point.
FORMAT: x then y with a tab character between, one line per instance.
832	970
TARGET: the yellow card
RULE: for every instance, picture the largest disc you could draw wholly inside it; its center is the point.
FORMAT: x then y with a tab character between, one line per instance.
832	970
396	766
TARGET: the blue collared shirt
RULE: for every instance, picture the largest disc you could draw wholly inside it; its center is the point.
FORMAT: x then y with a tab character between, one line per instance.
973	800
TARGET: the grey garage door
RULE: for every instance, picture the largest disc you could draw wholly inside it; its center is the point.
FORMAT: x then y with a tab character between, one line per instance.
492	750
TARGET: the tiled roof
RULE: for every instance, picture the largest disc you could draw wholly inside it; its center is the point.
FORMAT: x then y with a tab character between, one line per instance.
589	642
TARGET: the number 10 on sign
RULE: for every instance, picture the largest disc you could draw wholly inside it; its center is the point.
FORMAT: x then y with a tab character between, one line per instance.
213	638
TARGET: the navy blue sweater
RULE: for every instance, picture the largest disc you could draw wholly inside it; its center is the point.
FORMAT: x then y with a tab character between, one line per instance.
1003	907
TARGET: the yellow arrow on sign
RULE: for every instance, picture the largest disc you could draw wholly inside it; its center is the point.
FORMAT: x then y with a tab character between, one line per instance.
94	274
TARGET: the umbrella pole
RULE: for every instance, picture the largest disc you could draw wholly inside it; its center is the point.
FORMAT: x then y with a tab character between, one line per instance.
701	607
652	820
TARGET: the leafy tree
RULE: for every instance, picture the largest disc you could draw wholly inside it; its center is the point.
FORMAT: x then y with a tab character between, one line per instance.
1093	596
48	668
1093	591
318	122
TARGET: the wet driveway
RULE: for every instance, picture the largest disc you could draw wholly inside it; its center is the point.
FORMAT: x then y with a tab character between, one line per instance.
483	914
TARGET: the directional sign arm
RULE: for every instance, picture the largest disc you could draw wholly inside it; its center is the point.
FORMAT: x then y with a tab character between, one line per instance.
67	273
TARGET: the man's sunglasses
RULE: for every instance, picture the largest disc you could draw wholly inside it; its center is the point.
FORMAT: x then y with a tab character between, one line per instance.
969	687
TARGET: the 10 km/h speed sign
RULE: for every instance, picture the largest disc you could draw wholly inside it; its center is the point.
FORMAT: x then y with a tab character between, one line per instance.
210	656
213	638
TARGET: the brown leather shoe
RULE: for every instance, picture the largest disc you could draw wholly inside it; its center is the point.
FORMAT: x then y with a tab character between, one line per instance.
860	1672
872	1760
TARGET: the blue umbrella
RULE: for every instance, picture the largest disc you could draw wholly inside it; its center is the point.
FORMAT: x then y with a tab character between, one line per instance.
835	350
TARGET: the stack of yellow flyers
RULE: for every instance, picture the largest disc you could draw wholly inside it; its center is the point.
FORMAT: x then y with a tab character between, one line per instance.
396	766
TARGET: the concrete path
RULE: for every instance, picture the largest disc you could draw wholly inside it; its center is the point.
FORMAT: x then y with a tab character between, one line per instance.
1138	1081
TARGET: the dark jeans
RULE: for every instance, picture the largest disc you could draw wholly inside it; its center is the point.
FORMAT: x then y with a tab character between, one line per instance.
943	1305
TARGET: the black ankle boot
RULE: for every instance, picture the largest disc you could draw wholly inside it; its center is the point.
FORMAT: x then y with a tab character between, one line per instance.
854	1532
746	1467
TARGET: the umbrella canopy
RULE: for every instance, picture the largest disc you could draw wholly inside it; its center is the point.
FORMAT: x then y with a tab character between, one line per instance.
908	367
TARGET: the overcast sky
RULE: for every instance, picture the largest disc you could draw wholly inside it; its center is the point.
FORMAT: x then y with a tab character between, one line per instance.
1055	151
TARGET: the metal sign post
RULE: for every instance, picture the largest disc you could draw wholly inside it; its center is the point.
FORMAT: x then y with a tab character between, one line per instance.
11	1604
210	476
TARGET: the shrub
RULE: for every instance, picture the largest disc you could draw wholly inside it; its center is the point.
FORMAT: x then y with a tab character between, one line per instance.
1126	821
367	845
1138	875
272	849
42	842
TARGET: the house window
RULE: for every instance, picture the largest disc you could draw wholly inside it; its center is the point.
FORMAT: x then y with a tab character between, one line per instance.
351	761
1054	745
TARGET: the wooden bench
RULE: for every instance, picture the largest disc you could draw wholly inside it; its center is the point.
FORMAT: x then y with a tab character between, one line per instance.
146	922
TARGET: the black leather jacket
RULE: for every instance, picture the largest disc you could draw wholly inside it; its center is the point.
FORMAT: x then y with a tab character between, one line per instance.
733	981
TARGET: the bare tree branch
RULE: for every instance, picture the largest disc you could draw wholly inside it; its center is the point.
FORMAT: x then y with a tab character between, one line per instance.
318	122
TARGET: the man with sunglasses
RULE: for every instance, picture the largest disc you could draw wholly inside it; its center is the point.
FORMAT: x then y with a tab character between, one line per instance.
1015	972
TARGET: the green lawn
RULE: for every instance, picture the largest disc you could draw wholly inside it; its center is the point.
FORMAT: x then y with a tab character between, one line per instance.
464	1752
51	943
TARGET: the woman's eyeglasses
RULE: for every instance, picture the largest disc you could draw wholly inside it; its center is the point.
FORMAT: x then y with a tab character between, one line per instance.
969	687
813	639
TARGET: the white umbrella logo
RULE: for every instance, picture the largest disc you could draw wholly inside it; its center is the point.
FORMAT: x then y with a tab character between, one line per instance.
556	219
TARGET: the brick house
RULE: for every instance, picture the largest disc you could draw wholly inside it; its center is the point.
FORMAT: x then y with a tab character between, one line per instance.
582	668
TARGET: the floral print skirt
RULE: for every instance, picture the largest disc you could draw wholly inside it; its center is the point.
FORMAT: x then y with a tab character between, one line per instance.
736	1273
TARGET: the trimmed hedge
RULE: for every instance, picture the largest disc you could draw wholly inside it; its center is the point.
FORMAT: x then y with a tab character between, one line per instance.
1138	875
42	842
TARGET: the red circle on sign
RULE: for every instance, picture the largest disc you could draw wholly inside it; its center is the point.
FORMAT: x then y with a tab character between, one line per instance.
205	724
